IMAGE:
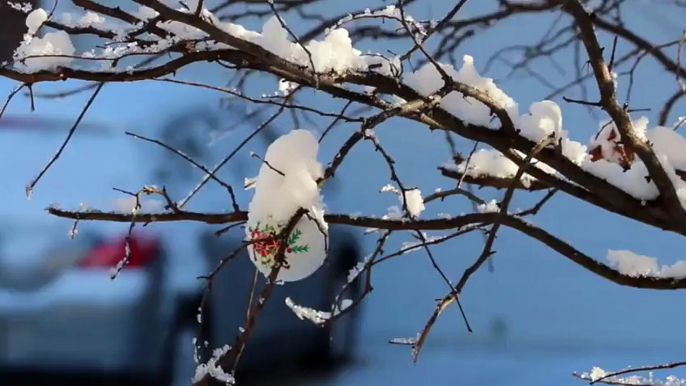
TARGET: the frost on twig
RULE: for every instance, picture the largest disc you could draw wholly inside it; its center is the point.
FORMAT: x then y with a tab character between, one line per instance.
315	316
212	368
629	377
405	341
22	7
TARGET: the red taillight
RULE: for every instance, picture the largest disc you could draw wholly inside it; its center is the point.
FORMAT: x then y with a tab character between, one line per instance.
144	250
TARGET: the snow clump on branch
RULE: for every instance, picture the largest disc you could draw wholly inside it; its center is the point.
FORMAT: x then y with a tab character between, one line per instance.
287	181
633	264
413	201
334	53
55	46
545	119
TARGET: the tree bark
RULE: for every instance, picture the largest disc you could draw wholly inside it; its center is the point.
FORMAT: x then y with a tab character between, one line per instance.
12	27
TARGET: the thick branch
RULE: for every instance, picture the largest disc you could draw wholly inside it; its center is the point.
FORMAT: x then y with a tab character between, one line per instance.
434	224
620	115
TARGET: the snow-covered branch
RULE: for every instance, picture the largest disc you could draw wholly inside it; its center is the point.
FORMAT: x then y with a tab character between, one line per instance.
628	168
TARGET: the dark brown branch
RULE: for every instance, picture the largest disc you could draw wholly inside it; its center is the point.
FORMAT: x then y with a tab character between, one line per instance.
457	222
669	105
10	97
487	249
439	27
338	116
441	195
118	13
620	116
639	370
602	193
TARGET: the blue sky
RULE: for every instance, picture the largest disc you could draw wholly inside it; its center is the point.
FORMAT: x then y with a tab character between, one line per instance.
545	299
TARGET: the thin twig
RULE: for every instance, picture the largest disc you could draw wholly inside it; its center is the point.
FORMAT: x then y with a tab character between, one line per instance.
192	162
32	184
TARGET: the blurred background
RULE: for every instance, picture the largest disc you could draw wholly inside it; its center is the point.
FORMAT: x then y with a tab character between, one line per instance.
536	317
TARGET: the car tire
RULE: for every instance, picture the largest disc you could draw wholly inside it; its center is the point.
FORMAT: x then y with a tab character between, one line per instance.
178	357
175	356
342	334
183	364
342	337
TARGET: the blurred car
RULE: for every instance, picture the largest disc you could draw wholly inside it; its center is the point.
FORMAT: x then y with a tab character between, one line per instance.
61	315
281	341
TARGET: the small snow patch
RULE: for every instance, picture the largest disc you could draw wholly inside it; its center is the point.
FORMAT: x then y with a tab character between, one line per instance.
633	264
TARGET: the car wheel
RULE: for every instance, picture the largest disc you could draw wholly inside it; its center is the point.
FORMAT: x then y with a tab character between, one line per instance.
178	367
183	363
342	333
343	336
